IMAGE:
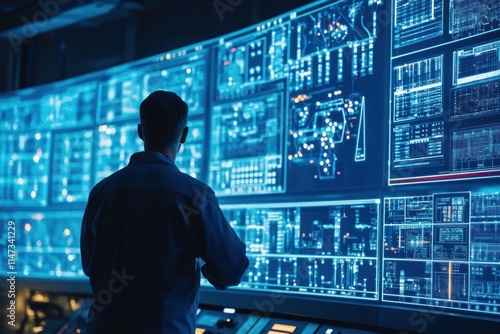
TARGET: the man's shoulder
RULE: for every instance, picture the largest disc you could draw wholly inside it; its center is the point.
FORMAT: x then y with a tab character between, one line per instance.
176	181
97	188
197	186
114	178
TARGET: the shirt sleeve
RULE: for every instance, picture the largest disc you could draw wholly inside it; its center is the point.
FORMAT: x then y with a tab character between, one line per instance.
219	246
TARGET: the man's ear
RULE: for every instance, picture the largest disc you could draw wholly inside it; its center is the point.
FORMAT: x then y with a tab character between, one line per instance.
184	135
139	131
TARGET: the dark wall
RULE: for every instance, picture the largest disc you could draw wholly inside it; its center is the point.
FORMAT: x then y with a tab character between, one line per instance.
127	34
9	66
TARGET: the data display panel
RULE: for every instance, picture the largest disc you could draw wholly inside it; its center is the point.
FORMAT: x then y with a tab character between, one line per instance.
71	105
292	99
443	250
120	95
115	144
72	166
469	18
24	175
421	24
315	248
122	89
428	144
191	155
247	146
444	92
416	21
49	107
47	244
184	72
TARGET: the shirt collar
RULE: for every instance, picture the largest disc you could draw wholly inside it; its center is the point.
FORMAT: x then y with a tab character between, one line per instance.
151	157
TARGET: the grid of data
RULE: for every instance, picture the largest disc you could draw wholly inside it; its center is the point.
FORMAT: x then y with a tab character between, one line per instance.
312	248
443	250
444	90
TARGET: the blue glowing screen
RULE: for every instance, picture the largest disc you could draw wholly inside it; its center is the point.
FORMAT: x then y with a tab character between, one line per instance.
354	147
327	248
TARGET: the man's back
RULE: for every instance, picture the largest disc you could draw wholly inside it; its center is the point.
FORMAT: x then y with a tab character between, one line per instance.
144	228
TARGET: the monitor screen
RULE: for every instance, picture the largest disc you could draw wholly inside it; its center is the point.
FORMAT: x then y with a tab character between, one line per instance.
354	147
441	249
445	86
292	101
310	248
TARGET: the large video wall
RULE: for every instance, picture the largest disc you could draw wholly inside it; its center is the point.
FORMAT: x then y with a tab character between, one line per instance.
354	147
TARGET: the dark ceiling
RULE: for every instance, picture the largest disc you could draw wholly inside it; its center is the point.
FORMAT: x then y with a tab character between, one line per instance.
16	13
48	40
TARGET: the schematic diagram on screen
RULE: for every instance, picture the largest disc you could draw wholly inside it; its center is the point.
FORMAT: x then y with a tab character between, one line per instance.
319	66
247	146
319	123
312	247
442	250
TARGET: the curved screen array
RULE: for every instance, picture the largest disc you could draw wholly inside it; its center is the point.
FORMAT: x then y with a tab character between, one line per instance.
290	122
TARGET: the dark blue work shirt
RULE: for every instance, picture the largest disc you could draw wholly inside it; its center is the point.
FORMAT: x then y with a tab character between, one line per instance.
143	230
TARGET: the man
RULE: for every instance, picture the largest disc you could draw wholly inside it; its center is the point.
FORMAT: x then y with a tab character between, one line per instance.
144	229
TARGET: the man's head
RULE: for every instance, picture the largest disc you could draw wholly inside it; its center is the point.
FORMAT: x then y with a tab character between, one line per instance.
163	122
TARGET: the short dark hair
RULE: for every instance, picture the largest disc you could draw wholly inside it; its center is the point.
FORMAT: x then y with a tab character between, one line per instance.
163	117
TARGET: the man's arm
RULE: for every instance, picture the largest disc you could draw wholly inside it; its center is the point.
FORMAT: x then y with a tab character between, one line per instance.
219	246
